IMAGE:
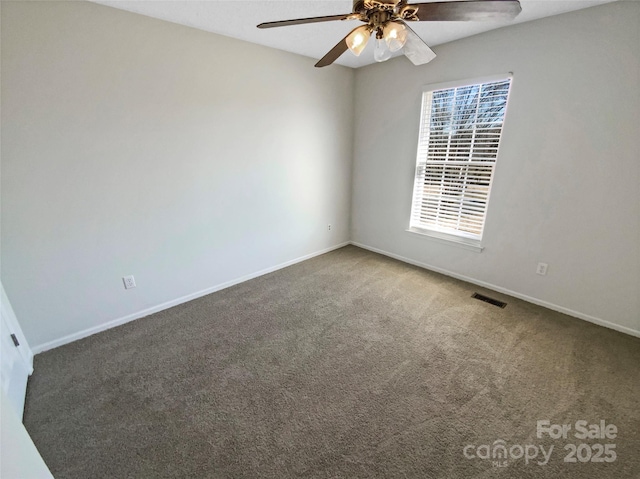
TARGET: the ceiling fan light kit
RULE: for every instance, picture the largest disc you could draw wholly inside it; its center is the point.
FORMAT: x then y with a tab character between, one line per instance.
358	38
387	18
381	52
395	35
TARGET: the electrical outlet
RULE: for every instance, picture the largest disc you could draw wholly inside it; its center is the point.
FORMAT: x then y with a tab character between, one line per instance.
129	282
542	268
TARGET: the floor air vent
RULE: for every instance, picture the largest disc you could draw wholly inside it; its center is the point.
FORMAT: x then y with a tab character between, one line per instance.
489	300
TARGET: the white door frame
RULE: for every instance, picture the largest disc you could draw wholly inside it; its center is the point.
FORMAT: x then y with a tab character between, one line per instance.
17	360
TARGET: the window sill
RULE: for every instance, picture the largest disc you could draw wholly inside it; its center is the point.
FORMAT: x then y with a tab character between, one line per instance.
466	243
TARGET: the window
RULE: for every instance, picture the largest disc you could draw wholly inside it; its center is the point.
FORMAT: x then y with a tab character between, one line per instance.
460	133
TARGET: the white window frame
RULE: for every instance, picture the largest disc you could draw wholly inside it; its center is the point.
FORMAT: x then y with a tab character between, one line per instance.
460	238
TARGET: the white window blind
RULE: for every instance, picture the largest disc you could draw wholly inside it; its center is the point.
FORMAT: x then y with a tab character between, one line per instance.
460	133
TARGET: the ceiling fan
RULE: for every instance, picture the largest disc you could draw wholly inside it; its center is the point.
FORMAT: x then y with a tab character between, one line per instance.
387	19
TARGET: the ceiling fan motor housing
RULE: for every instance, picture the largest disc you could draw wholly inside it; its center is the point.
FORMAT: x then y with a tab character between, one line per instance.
378	12
380	4
362	6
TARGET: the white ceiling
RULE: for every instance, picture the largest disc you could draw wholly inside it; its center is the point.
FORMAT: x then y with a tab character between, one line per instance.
238	19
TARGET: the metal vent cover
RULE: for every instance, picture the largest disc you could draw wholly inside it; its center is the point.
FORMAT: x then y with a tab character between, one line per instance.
489	300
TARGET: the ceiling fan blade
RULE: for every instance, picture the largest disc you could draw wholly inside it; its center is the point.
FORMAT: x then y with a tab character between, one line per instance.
335	52
464	10
300	21
416	49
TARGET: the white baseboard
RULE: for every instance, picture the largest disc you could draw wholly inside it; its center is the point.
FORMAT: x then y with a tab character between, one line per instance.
169	304
515	294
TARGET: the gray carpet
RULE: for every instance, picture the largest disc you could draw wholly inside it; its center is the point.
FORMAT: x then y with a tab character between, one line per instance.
349	365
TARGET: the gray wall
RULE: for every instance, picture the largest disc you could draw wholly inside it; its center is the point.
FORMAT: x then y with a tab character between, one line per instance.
135	146
566	189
